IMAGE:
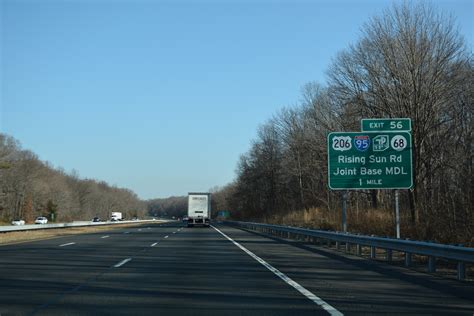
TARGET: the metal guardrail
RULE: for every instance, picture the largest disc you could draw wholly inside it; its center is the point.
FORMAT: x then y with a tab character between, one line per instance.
5	229
461	255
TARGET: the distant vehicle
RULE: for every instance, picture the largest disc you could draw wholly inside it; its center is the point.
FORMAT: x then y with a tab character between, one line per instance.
116	216
41	220
18	222
135	218
96	219
199	209
185	219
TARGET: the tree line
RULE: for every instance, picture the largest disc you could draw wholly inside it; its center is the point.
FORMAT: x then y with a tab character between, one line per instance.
176	206
31	188
408	62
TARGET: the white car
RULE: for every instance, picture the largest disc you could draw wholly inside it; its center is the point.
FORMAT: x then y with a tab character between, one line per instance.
41	220
18	222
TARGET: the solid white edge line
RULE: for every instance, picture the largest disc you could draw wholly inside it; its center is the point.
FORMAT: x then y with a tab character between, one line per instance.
166	236
68	244
328	308
121	263
153	245
105	237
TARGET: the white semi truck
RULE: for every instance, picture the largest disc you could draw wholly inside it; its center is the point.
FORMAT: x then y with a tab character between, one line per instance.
199	209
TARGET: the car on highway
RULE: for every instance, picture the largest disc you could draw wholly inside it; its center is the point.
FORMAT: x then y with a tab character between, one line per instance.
96	219
41	220
18	222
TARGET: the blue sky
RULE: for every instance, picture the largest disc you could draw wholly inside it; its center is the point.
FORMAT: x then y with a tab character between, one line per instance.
162	97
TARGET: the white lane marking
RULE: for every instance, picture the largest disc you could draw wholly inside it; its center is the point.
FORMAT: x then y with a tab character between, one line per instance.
126	232
107	236
139	230
166	236
153	245
121	263
68	244
174	232
148	228
328	308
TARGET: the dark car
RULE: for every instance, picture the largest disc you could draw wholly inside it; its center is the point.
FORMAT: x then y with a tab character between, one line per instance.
96	219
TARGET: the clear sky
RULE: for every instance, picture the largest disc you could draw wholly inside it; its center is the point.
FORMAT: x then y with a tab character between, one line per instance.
162	97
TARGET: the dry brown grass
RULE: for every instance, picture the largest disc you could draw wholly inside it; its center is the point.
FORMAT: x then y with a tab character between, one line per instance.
376	222
368	222
31	235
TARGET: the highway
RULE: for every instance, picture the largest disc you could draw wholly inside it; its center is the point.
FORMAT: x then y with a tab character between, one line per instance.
169	269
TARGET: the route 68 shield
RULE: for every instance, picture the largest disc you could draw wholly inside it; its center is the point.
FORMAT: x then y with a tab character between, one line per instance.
362	142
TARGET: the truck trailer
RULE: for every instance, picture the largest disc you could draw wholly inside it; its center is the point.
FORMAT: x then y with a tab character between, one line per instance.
116	216
199	209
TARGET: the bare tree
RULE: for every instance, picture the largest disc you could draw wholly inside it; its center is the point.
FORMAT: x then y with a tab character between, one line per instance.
407	64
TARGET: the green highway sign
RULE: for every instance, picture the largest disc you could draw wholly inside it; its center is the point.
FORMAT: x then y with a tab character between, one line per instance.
370	160
388	125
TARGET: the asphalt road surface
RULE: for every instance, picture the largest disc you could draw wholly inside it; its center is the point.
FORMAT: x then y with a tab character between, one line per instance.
169	269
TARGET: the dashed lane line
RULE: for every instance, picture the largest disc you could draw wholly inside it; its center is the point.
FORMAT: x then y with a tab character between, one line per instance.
121	263
68	244
106	236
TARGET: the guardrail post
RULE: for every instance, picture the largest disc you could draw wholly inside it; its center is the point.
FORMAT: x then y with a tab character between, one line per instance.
348	247
431	264
373	253
461	271
337	245
359	249
389	254
328	242
407	259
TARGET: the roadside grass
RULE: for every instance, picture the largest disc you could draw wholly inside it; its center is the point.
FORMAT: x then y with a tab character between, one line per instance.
368	222
377	222
9	238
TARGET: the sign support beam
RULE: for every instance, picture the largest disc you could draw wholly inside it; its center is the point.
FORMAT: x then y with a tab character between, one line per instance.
344	210
397	213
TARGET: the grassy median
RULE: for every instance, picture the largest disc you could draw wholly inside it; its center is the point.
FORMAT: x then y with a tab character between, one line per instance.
9	238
